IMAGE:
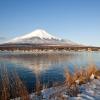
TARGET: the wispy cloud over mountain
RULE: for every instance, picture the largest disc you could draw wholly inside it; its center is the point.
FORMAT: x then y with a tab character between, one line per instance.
2	39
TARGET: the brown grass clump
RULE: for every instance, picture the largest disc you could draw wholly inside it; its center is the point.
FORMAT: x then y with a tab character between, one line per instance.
91	70
97	74
80	76
39	87
4	95
19	88
72	88
11	86
69	78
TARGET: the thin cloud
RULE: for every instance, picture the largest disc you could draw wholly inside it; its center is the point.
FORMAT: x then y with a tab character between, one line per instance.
3	38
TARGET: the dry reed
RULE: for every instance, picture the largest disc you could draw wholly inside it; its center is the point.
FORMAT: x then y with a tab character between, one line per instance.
80	76
4	95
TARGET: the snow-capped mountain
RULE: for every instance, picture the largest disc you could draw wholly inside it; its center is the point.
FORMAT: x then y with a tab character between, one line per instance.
40	36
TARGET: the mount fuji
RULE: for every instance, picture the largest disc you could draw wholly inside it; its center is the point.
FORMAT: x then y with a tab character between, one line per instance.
40	36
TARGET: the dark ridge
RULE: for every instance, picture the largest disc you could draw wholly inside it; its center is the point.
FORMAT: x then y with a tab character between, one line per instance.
12	47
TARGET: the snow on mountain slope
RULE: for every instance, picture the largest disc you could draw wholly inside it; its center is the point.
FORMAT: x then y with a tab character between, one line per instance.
40	37
42	34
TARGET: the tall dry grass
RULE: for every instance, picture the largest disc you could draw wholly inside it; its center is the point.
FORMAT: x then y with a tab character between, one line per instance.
19	88
4	94
11	85
80	76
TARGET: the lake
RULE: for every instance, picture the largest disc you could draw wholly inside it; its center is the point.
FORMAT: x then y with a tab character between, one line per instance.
46	70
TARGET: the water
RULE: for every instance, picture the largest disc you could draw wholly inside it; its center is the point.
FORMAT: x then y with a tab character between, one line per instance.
43	69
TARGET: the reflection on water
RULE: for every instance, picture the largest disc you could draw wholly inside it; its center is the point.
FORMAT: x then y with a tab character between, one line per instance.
33	70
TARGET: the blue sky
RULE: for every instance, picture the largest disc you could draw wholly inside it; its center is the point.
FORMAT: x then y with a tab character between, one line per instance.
77	20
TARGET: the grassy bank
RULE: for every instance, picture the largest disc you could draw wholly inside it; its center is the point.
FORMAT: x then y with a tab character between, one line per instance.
11	85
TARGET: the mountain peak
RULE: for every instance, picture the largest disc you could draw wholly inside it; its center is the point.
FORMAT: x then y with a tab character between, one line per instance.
39	36
37	33
40	30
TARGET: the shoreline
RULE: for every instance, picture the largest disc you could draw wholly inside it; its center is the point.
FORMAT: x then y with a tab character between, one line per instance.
43	52
71	89
90	90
